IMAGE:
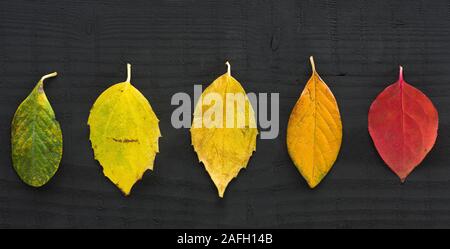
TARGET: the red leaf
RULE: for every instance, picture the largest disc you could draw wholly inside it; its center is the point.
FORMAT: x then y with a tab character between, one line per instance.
403	124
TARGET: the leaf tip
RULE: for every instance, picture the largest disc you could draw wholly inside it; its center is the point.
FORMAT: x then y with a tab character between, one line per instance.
402	176
221	193
312	184
221	190
126	191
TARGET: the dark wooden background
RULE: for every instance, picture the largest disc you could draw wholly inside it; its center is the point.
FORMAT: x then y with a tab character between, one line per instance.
174	44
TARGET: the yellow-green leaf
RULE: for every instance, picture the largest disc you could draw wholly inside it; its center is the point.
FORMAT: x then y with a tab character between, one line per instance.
124	133
224	130
314	132
36	138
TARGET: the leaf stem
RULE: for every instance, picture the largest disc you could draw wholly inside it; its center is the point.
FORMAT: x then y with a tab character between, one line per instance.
228	68
51	75
128	72
313	65
401	74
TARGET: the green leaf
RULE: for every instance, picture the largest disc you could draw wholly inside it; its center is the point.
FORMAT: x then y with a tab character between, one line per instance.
36	138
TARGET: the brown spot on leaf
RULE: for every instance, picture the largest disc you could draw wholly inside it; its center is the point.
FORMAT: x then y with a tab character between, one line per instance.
125	140
41	88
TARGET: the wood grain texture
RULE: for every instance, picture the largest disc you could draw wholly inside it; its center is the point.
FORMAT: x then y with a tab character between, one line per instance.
175	44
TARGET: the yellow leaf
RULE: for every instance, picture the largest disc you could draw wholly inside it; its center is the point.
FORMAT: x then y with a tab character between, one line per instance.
124	134
224	130
314	132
